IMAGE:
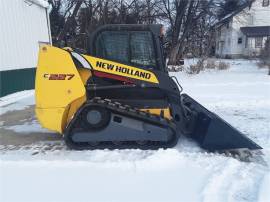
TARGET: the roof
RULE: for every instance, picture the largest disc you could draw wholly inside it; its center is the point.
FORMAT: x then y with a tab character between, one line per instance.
257	31
42	3
228	17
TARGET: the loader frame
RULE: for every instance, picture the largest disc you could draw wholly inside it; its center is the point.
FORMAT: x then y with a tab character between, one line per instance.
136	94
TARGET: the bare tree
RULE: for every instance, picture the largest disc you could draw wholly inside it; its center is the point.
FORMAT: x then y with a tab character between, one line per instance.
183	17
71	18
57	19
188	21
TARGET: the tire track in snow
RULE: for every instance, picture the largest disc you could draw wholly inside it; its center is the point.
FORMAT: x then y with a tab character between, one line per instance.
233	181
247	183
219	182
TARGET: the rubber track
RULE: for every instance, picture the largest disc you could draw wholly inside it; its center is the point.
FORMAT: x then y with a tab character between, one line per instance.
124	110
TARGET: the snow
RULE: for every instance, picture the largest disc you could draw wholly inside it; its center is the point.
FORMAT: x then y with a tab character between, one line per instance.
264	192
42	3
18	101
47	171
25	128
118	179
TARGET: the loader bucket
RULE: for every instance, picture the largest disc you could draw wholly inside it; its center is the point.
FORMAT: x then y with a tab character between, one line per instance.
213	133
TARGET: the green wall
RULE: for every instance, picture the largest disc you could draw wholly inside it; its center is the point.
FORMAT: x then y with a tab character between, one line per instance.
16	80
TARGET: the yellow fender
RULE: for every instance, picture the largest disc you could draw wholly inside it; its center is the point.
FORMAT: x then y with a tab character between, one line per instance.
59	88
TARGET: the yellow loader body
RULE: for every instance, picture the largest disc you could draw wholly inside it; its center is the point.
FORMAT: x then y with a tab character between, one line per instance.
60	85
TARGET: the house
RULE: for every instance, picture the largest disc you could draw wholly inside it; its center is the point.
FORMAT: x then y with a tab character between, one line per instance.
244	32
24	24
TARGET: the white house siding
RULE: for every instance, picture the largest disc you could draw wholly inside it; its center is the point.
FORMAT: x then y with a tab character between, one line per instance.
244	18
224	34
23	24
261	15
257	15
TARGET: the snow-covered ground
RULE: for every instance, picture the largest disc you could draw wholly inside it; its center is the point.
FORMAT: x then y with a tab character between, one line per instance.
46	171
17	101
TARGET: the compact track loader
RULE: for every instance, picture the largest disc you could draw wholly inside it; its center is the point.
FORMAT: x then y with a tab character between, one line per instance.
120	95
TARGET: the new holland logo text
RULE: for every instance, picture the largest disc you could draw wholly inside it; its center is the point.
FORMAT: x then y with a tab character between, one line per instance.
58	76
124	70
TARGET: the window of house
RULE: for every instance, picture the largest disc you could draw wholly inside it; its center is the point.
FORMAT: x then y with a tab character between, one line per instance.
265	3
219	32
240	40
251	20
258	42
246	42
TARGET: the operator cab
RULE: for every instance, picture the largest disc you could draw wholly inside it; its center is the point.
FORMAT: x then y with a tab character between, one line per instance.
134	45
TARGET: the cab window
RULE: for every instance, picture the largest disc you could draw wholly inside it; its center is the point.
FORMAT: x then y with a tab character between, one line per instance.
132	48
